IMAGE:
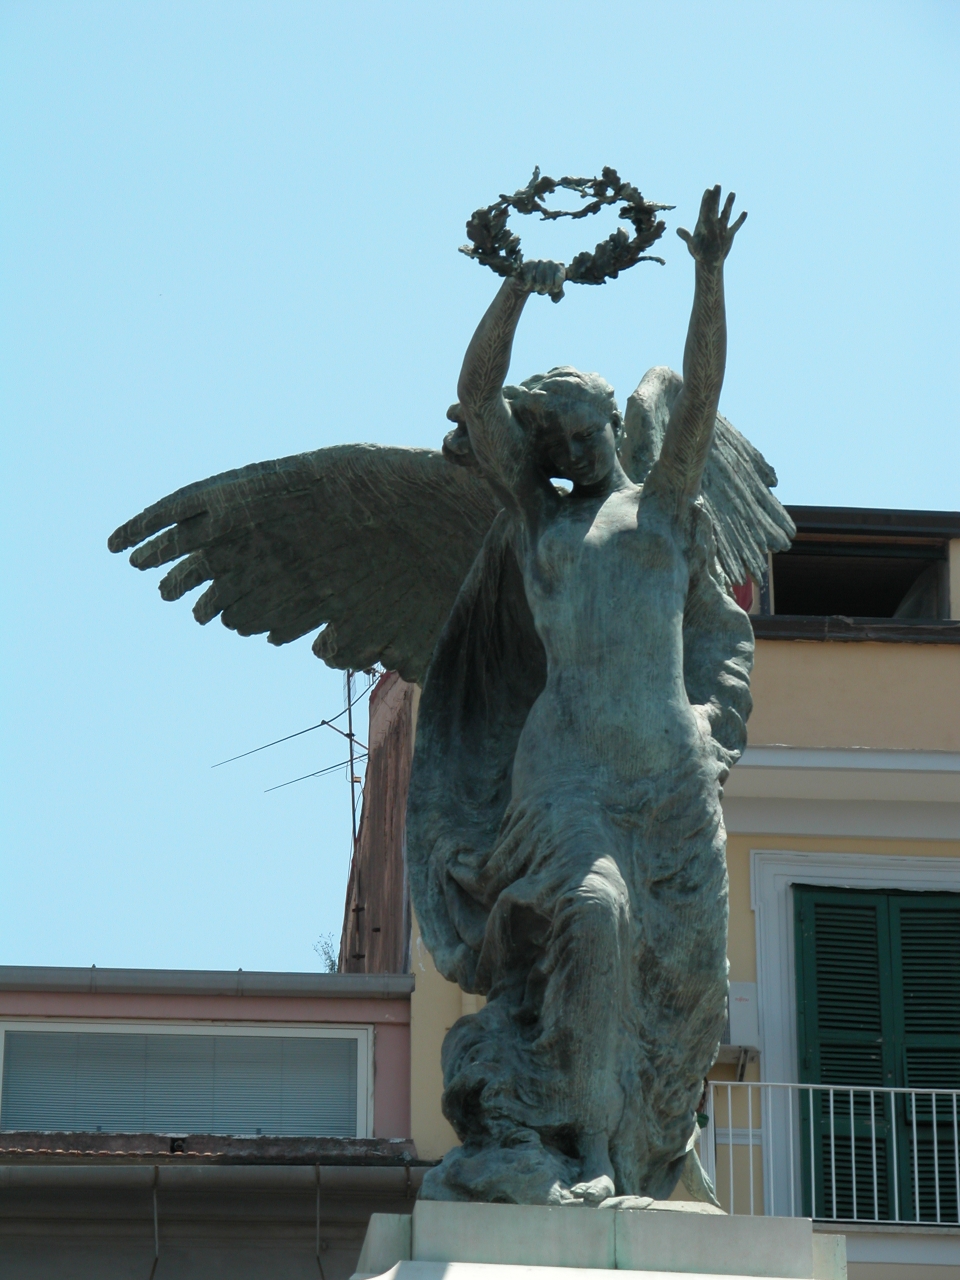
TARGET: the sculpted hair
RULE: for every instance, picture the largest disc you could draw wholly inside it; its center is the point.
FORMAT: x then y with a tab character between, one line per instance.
539	405
539	402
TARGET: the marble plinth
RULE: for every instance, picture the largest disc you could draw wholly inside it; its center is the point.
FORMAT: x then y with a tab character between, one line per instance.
443	1240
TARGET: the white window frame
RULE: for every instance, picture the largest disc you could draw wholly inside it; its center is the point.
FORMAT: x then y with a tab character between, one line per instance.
363	1034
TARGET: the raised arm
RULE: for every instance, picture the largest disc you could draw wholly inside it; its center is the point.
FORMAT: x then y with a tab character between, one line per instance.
495	437
689	433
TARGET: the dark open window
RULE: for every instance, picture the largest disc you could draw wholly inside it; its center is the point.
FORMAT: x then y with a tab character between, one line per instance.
855	573
861	577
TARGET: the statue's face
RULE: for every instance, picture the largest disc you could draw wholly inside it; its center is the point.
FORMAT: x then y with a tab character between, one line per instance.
583	449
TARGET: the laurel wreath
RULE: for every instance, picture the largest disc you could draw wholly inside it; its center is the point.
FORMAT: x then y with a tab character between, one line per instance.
496	246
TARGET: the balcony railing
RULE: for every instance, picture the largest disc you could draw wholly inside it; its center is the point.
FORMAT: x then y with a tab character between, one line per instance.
835	1153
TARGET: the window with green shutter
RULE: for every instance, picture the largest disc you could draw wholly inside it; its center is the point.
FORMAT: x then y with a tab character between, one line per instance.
878	1006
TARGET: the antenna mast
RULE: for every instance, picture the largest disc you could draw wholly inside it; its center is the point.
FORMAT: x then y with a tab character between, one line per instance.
353	770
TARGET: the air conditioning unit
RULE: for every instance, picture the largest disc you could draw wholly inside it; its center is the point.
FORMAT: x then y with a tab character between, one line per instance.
741	1036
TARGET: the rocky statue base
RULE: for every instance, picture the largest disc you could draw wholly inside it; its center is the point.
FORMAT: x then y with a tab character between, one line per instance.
450	1241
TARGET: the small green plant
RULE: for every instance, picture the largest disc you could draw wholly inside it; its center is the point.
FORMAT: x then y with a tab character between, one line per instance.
328	949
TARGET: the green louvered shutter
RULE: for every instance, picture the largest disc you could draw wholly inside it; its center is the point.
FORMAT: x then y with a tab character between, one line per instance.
846	1037
878	1004
925	938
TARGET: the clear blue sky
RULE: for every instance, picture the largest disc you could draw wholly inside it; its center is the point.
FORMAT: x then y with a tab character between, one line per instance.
229	233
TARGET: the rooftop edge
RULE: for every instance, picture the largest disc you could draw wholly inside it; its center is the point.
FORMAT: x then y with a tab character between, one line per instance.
205	982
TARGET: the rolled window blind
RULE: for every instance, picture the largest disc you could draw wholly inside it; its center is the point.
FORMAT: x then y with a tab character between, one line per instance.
157	1082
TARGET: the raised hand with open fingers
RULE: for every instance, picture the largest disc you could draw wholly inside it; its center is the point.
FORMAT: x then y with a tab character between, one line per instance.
713	236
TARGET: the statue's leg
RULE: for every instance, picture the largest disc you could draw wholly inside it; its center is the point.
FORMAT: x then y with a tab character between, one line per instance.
533	1081
682	988
585	977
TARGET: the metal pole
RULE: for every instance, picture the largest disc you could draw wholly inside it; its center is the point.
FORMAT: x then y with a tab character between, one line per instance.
730	1140
793	1193
358	904
769	1206
813	1178
709	1142
936	1155
833	1160
873	1153
317	1242
353	773
853	1158
916	1168
896	1166
750	1140
156	1224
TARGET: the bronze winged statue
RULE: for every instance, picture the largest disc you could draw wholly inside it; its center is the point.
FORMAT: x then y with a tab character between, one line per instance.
585	673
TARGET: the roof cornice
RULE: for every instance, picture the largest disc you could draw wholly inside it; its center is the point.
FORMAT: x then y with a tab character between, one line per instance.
205	982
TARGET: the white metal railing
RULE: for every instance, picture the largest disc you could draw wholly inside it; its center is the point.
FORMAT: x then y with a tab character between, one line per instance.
839	1153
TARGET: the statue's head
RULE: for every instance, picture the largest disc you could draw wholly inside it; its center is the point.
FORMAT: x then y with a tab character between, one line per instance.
575	421
572	417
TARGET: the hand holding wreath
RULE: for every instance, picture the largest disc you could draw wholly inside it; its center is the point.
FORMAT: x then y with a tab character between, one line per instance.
540	275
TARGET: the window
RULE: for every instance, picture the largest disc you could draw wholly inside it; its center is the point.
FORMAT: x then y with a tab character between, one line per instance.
878	1006
862	577
858	573
184	1081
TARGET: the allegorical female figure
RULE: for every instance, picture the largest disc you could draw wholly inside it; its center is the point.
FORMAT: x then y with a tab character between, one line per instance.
585	674
604	891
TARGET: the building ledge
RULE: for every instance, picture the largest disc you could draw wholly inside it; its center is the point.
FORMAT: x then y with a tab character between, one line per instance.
204	982
876	521
200	1149
783	626
886	1228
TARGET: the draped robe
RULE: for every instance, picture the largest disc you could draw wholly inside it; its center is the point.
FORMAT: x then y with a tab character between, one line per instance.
591	912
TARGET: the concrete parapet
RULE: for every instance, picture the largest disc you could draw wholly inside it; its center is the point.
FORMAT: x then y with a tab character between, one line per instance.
465	1241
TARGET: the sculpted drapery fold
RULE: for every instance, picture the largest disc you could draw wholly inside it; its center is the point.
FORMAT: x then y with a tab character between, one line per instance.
487	671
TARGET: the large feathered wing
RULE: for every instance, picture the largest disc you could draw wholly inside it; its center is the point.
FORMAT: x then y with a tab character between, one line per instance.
373	541
748	521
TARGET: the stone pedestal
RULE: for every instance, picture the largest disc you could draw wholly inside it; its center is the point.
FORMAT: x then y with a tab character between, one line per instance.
451	1241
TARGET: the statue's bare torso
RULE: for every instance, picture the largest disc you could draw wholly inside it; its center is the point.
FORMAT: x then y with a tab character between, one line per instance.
606	579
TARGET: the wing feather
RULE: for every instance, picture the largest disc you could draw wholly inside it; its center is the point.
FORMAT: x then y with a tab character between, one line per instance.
372	541
748	520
